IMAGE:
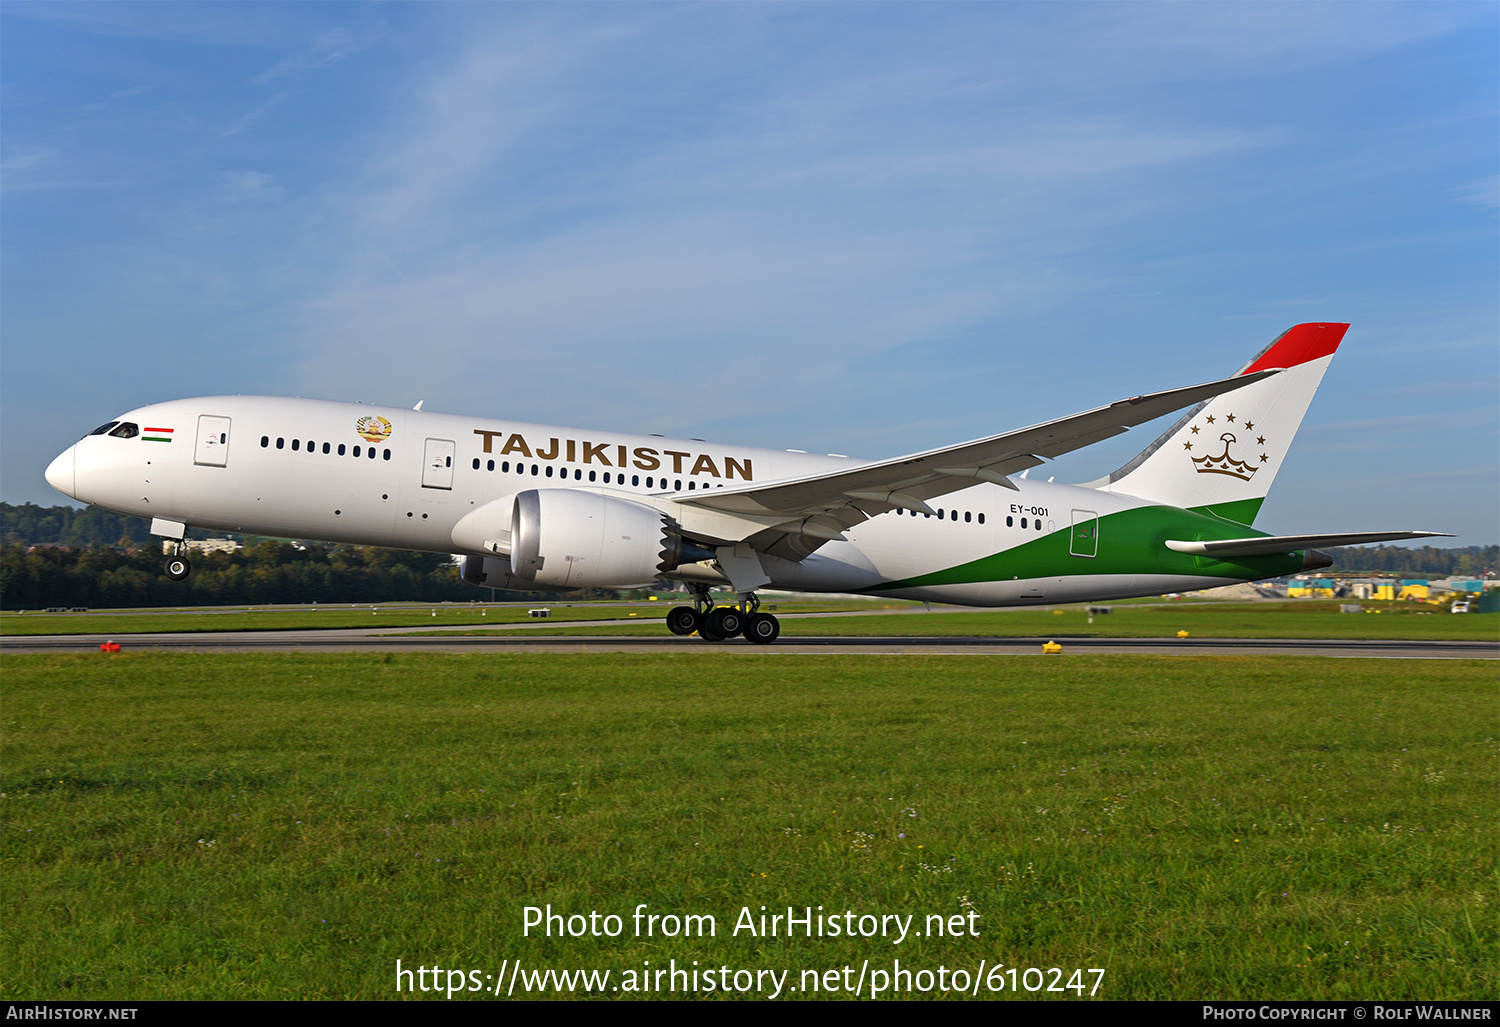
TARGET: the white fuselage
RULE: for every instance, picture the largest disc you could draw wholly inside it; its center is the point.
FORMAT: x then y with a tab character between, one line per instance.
379	476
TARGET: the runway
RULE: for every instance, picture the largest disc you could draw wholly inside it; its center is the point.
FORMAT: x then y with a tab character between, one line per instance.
363	640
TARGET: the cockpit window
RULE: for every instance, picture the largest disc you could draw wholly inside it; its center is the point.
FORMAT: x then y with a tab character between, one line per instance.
126	430
103	428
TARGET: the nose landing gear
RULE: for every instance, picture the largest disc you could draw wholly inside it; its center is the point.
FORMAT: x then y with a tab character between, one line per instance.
721	623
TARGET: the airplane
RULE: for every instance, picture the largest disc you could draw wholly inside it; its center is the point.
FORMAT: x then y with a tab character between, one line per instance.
537	507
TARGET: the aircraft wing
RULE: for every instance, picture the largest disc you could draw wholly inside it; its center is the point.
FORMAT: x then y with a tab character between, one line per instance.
821	505
1292	543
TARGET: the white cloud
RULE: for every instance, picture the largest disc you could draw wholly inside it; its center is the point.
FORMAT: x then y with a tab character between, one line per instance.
1484	192
330	47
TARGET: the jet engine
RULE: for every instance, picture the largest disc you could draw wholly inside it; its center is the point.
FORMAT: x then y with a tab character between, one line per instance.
573	538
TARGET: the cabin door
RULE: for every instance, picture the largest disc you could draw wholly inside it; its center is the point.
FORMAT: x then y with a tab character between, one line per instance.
1085	537
213	441
437	469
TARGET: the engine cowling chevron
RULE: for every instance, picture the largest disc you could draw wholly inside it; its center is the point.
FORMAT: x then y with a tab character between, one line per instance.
573	538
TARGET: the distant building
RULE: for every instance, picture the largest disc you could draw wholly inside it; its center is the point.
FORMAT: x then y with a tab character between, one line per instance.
205	545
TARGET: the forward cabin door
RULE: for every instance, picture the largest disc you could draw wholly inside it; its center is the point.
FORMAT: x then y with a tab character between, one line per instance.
212	448
437	468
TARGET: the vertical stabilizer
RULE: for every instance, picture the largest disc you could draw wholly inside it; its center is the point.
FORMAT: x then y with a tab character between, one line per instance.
1222	456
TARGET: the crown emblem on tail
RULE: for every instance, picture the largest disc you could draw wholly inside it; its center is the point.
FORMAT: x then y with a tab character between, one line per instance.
1224	463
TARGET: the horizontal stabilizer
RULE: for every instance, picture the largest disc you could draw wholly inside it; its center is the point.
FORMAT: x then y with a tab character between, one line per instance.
1291	543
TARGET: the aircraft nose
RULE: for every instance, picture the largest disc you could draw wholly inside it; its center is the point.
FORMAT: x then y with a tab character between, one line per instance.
60	473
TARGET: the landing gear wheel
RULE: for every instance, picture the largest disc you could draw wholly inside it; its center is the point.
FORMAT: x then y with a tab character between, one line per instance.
762	628
178	568
724	622
683	620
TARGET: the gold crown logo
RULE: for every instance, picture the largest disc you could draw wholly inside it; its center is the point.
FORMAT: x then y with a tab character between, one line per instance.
1224	463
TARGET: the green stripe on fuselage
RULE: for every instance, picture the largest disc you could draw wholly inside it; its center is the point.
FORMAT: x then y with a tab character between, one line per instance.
1129	542
1242	511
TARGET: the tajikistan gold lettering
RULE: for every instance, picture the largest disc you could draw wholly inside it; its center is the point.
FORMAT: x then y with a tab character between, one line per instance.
550	454
516	444
731	465
489	437
595	451
676	459
706	463
645	458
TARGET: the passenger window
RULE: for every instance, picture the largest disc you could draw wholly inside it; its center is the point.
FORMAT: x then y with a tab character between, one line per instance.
103	429
341	449
549	470
635	479
981	518
606	477
476	463
281	443
692	484
296	445
126	430
679	484
386	455
968	517
447	461
1023	522
265	441
577	474
953	516
356	451
490	465
649	482
534	469
326	447
1010	522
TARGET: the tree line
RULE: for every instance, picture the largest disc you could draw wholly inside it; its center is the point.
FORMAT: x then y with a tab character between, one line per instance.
269	572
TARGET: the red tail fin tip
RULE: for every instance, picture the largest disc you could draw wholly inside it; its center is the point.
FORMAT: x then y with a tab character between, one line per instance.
1298	345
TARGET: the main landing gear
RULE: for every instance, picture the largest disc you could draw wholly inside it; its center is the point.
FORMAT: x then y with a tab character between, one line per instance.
719	623
177	566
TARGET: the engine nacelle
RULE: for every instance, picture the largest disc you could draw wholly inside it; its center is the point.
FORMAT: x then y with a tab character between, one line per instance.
573	538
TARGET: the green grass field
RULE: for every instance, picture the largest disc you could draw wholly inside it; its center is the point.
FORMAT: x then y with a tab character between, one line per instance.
289	826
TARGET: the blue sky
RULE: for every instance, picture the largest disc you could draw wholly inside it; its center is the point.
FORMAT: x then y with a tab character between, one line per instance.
864	229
